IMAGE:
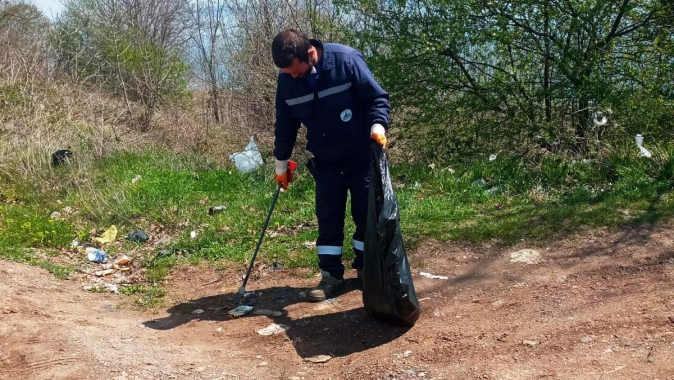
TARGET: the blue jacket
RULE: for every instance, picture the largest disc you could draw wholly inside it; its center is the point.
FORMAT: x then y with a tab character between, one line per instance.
338	113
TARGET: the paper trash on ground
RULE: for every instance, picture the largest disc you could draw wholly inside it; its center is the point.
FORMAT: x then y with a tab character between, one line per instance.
433	276
273	329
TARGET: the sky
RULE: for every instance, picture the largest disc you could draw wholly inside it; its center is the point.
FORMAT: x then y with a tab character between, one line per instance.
50	8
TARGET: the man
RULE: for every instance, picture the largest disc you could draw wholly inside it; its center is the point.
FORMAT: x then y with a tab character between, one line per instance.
329	89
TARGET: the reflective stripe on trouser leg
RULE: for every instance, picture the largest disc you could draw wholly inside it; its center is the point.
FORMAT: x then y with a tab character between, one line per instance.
331	194
330	260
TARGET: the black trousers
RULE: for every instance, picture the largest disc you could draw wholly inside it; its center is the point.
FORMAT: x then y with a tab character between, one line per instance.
333	182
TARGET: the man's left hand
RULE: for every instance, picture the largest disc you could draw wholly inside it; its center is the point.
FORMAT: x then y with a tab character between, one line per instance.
378	134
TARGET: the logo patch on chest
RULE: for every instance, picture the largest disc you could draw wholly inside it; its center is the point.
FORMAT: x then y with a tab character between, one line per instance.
346	115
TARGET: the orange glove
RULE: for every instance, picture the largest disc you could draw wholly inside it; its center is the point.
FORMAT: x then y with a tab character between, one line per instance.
378	134
284	173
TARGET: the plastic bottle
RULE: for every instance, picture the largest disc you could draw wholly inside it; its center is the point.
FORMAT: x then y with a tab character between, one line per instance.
95	255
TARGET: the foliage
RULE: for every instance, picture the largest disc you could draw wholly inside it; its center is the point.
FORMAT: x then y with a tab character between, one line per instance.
501	200
124	49
469	77
23	227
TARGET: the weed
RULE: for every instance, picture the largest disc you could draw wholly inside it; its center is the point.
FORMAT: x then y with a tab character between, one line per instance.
515	200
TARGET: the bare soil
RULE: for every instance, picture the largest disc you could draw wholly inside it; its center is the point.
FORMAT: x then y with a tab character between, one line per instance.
600	306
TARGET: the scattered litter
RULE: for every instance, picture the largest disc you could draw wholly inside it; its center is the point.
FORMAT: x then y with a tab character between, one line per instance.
498	303
198	311
639	139
112	288
216	209
526	256
122	260
119	279
492	157
599	118
193	234
137	236
61	156
273	329
248	160
55	215
309	244
74	244
136	178
263	364
165	252
433	276
425	299
95	255
240	311
531	343
494	190
108	236
267	312
329	304
319	359
405	354
586	339
480	182
416	186
96	288
276	266
105	272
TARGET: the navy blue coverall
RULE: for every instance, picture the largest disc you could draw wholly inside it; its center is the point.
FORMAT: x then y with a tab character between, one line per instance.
338	104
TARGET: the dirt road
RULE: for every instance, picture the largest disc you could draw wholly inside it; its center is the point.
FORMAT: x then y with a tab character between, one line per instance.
599	306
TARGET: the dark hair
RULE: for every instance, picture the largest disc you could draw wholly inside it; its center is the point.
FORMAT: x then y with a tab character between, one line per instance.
288	45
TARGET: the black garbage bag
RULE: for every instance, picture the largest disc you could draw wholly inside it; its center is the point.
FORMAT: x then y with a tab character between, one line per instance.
388	291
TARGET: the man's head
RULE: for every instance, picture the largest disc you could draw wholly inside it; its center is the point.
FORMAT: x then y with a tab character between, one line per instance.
293	53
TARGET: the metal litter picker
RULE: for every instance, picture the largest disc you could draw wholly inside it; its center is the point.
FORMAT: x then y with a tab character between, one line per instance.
243	309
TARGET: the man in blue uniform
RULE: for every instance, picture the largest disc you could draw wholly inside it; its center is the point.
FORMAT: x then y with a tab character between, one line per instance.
329	88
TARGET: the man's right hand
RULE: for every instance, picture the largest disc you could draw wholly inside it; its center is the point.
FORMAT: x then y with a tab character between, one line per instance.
284	173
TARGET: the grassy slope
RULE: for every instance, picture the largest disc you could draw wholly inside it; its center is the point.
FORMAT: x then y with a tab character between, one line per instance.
175	191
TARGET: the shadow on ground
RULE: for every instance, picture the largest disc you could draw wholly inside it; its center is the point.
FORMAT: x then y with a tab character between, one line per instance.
311	335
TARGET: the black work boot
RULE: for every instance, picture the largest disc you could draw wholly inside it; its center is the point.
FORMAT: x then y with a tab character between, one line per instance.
326	288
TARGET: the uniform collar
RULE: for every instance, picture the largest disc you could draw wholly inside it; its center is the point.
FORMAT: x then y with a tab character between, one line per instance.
327	60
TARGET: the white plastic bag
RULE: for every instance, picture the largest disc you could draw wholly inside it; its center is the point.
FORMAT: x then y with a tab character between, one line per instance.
248	160
639	139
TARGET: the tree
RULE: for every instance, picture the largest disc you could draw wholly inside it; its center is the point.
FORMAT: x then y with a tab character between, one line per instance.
208	17
22	41
134	48
492	75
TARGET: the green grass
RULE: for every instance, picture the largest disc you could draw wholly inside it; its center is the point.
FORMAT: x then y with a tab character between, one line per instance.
535	201
31	257
150	296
